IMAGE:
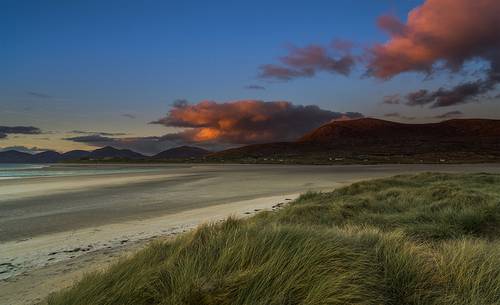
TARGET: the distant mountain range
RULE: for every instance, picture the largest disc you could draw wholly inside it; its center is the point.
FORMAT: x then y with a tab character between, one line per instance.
101	154
353	141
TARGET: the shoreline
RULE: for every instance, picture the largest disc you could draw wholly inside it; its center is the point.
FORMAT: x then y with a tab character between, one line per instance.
50	240
52	262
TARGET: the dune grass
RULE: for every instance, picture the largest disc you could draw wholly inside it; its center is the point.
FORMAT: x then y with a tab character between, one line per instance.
423	239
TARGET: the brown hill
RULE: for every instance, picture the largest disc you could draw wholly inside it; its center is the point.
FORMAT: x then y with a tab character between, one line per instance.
379	130
374	140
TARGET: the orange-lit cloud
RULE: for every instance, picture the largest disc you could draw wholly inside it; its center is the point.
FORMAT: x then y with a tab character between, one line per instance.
441	34
216	126
247	121
452	31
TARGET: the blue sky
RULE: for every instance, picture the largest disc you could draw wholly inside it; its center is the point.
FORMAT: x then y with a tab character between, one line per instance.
82	65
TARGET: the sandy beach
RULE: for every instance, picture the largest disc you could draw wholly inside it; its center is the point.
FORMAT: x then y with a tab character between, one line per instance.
53	229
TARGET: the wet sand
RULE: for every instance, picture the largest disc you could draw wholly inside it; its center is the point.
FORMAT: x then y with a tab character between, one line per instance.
59	227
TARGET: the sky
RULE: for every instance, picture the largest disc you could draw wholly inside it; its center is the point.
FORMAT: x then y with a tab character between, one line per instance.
150	75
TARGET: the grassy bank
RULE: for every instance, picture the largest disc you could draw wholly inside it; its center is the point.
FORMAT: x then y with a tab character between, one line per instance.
424	239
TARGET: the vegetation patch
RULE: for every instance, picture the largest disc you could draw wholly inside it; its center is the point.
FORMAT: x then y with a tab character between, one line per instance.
422	239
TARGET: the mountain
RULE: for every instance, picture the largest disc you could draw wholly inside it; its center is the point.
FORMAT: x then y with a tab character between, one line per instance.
14	156
75	155
109	152
374	140
182	152
375	130
48	156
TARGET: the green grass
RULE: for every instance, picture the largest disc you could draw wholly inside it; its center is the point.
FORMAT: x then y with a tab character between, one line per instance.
424	239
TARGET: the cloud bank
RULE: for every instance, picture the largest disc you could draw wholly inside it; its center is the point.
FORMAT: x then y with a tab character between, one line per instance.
30	150
6	130
441	34
98	133
216	126
246	121
20	130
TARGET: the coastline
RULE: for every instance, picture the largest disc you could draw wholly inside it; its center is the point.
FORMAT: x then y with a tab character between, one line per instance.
159	204
53	262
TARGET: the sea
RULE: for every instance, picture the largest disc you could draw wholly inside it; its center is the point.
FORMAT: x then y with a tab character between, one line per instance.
19	171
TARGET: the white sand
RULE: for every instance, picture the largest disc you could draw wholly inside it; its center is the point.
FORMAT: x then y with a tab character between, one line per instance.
52	262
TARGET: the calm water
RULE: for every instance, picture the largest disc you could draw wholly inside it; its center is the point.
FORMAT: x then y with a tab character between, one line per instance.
16	171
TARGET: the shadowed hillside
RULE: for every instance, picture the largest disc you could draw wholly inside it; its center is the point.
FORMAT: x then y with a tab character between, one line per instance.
371	130
379	141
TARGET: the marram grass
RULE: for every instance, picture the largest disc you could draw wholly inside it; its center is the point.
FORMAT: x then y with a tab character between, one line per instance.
423	239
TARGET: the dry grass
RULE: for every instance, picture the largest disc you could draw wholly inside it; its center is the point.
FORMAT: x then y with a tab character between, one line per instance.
425	239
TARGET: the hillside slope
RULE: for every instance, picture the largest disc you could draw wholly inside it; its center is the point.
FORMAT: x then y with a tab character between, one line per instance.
371	130
374	140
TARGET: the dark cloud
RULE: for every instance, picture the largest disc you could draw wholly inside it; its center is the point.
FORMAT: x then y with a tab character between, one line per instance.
394	99
129	115
419	98
283	73
247	121
39	95
442	33
98	133
255	87
30	150
6	130
90	139
307	61
450	114
460	94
